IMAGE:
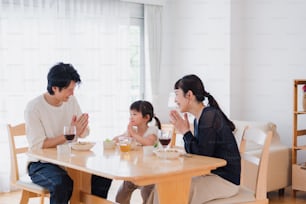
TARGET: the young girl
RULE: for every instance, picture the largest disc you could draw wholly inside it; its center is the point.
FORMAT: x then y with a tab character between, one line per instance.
141	113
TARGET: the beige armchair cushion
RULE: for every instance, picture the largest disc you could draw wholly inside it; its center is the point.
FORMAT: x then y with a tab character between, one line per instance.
265	126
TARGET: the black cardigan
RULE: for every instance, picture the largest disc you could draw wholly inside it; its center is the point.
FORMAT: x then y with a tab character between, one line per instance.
214	138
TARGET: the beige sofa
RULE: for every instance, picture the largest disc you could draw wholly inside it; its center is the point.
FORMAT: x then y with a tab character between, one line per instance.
279	168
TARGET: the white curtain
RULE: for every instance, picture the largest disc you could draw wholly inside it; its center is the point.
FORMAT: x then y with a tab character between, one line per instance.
153	42
92	35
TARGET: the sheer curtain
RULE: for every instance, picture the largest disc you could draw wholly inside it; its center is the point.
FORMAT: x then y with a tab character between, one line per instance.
153	42
92	35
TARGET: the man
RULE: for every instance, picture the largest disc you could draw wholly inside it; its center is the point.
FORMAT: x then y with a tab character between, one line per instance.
45	117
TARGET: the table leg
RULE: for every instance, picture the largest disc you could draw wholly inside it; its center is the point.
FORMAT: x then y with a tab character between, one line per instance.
174	192
81	183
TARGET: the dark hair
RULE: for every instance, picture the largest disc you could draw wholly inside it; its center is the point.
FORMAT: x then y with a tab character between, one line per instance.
145	108
61	75
195	85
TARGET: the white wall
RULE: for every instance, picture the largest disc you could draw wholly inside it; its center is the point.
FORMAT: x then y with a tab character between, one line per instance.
236	52
246	51
196	40
273	54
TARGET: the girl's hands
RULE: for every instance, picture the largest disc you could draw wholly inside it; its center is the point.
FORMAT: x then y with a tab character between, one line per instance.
131	130
180	124
81	123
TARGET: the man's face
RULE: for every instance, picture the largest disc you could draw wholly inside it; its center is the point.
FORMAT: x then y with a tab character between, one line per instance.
65	93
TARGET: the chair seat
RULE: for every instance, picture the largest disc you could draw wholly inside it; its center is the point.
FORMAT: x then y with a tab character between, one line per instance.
26	182
243	196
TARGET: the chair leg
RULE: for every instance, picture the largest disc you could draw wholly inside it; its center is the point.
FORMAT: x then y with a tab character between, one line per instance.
25	195
281	192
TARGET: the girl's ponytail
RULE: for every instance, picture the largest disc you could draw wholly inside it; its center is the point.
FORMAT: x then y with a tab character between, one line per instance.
157	122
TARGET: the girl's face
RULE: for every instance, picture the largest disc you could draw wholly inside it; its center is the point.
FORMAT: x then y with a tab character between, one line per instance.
137	119
181	100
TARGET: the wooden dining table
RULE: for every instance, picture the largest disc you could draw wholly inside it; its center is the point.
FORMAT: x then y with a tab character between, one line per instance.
171	176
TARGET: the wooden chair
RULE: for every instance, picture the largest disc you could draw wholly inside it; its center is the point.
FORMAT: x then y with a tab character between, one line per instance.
256	194
29	189
170	127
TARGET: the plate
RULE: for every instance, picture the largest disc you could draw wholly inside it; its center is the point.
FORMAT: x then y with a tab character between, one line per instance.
167	153
82	146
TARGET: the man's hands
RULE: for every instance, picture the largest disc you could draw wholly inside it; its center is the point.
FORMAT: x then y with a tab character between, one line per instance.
81	123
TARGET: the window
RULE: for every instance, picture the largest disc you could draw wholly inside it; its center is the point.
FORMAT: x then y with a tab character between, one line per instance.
102	39
137	53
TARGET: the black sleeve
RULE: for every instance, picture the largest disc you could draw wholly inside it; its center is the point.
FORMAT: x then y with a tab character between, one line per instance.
205	142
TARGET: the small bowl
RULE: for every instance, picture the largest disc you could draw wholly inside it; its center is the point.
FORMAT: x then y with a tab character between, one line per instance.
109	144
82	146
167	153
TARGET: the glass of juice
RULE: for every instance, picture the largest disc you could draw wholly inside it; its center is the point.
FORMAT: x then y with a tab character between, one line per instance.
125	144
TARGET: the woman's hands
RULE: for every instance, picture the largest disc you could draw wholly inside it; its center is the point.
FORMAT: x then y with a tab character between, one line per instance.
81	124
180	124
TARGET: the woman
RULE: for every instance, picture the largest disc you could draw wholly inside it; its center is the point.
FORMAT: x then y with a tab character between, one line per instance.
212	137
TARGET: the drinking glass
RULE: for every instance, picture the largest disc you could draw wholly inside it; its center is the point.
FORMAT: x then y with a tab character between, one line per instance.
125	144
69	132
164	138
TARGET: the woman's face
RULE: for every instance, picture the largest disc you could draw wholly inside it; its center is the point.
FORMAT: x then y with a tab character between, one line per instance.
181	100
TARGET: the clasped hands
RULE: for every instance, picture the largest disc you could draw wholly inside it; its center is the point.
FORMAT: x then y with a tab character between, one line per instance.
180	123
81	124
131	130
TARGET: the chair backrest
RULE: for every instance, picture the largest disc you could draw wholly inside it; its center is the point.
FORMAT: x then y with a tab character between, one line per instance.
13	132
169	127
260	160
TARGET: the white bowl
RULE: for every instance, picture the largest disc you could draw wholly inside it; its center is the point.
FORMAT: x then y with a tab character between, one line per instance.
167	153
109	144
82	146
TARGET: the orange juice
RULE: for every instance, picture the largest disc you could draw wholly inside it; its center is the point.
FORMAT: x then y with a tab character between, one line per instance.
125	147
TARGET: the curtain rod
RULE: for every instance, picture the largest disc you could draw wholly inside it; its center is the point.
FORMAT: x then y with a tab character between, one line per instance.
152	2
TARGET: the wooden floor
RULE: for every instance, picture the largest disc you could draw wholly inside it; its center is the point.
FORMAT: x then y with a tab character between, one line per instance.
288	198
274	198
14	197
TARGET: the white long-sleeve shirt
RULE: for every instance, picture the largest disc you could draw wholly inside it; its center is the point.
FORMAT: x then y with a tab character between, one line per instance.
46	121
